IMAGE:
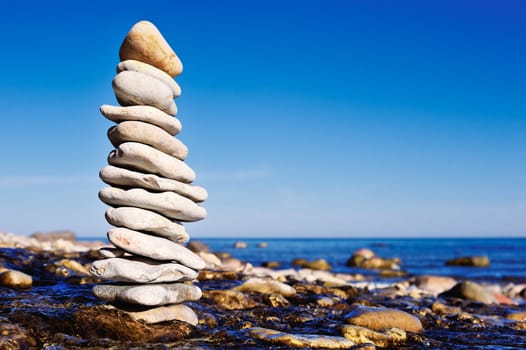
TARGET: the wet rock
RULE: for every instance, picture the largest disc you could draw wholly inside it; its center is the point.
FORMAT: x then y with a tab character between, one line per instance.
54	236
361	335
271	264
230	299
104	322
517	316
364	252
392	273
276	300
262	245
474	261
434	284
14	337
471	291
319	264
240	245
73	266
443	309
380	263
380	318
266	286
15	279
299	262
300	340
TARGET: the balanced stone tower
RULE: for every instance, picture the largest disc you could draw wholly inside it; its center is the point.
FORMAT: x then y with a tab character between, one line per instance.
151	191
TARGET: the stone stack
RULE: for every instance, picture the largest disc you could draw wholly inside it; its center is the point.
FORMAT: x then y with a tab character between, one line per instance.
151	191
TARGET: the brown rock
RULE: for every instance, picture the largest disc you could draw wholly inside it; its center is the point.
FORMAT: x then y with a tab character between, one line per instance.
300	262
471	291
16	279
229	299
311	341
517	316
198	246
474	261
443	309
361	335
146	44
271	264
319	264
380	319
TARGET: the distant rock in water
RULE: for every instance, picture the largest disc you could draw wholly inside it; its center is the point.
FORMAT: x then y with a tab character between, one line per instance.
474	261
240	245
150	188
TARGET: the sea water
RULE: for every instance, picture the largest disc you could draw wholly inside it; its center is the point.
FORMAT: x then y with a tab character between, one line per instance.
419	255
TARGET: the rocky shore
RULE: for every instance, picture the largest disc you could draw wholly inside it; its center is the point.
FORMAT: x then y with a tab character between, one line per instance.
47	303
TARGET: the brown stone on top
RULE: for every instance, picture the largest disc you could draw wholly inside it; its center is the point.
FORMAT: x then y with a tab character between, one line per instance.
146	44
381	318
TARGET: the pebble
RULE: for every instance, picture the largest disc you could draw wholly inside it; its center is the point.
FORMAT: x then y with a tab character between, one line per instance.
361	335
147	114
230	299
133	88
111	252
148	134
240	245
145	43
15	279
169	204
145	68
266	286
113	175
434	284
471	291
159	314
141	270
312	341
473	261
146	220
154	247
149	294
142	157
381	318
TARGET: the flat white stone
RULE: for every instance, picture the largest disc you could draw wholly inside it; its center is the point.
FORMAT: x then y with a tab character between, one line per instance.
178	312
146	158
154	247
133	88
145	68
152	294
109	252
145	220
169	204
147	114
148	134
141	270
116	176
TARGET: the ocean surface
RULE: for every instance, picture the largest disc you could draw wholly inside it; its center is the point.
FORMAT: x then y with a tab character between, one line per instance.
419	256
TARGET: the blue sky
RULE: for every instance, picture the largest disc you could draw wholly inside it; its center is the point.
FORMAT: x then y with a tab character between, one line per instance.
303	118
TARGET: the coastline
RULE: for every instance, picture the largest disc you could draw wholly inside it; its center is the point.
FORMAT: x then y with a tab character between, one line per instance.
309	307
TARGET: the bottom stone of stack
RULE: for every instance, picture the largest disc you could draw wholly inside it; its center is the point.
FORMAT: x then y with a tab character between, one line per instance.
159	314
148	295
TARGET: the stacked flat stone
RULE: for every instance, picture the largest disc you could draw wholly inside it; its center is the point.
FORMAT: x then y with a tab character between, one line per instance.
151	191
